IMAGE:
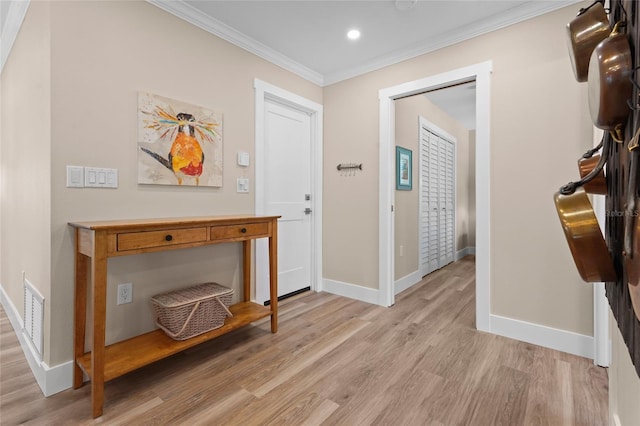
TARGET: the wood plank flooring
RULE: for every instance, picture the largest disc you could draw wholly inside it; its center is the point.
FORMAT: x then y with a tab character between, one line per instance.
336	361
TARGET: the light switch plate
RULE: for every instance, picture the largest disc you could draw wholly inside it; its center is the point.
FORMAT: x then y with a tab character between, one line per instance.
97	177
243	185
243	159
75	177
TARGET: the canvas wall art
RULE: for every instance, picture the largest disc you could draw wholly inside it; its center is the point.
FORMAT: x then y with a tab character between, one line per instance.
178	143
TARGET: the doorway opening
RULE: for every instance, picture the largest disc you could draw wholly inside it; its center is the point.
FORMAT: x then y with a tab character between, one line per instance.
480	73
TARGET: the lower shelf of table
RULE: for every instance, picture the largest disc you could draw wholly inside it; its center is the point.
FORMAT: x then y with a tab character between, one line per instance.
129	355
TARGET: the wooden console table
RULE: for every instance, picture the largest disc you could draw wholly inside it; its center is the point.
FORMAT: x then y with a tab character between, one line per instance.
95	242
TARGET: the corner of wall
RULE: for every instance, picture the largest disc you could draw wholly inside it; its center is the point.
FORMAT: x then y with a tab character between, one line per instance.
51	380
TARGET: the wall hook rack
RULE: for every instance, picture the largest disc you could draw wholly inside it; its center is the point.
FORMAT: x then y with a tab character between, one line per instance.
349	168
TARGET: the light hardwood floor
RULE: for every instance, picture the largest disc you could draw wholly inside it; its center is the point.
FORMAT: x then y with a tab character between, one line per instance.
336	361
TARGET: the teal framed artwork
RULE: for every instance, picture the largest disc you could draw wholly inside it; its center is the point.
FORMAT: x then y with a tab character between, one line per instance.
403	169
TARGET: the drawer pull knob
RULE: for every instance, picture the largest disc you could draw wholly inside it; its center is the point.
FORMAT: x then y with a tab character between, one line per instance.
168	237
243	230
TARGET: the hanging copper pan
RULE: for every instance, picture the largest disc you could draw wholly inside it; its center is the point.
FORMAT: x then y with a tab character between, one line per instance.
609	83
631	248
584	32
587	245
598	185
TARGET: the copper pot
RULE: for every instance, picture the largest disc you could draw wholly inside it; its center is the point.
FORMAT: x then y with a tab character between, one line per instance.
598	185
609	83
584	32
582	231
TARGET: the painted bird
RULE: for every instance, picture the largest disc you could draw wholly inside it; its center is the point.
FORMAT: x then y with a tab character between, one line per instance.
185	157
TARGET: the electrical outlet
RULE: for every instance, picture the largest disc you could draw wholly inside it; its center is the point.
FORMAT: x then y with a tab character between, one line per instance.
401	251
125	293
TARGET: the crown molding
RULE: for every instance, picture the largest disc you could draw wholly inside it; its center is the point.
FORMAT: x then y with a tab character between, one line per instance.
190	14
15	17
182	10
513	16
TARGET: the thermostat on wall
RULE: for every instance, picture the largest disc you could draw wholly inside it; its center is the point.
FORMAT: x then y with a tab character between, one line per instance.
243	159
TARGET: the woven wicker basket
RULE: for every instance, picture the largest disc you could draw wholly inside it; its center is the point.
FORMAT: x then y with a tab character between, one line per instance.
185	313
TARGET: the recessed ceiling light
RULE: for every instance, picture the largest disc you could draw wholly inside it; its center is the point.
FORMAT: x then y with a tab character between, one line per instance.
353	34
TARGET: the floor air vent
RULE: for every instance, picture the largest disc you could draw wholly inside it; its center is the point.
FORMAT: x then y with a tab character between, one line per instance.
33	316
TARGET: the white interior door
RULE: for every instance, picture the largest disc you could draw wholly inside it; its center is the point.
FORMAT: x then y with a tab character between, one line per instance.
287	192
437	198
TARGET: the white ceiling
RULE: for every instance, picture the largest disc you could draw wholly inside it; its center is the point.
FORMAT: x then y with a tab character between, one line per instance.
308	37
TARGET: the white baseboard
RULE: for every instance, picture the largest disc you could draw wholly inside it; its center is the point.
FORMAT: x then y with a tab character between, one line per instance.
561	340
465	252
406	282
50	379
352	291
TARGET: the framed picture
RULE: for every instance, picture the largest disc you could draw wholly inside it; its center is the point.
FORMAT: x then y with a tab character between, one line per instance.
179	143
403	169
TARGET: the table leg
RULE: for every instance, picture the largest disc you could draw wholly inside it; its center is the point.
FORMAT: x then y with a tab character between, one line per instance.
246	269
273	276
99	280
79	313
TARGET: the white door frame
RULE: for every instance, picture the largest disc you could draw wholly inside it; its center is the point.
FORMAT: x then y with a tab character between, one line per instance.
423	122
601	338
263	92
481	73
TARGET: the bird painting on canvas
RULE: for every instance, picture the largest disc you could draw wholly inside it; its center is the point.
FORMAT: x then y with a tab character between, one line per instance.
184	137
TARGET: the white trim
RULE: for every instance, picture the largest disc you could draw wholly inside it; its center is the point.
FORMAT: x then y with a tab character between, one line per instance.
529	10
192	15
50	379
465	252
481	73
512	16
352	291
386	213
560	340
265	91
407	281
601	338
11	27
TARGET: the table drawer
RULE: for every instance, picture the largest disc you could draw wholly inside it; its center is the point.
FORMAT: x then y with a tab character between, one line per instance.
167	237
239	231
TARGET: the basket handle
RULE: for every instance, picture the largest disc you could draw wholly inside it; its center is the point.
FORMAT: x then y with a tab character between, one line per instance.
186	323
229	314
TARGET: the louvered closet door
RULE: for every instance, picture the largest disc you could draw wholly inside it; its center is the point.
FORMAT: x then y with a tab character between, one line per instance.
430	204
437	201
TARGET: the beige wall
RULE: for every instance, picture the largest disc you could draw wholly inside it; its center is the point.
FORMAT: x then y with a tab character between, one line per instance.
533	277
103	54
624	384
407	230
25	129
